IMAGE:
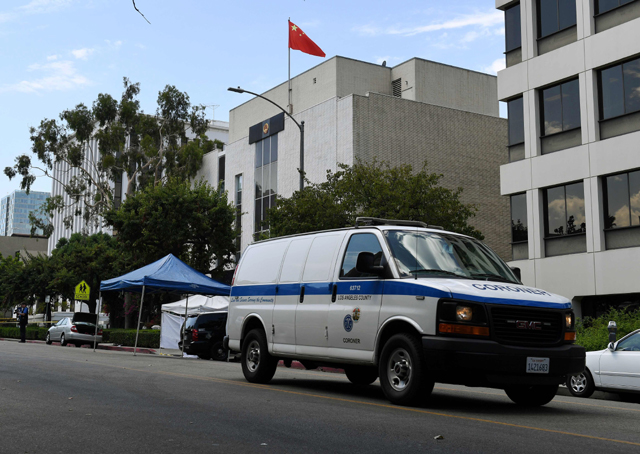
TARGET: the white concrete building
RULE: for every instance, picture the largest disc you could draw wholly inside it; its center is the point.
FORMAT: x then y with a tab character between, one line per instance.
418	110
572	85
218	130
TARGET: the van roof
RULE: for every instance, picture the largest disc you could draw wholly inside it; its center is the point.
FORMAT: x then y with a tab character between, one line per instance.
374	223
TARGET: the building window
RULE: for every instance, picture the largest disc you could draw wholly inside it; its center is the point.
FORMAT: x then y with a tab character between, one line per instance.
221	171
513	35
555	16
622	210
266	179
620	99
565	219
560	116
602	6
519	227
238	216
515	112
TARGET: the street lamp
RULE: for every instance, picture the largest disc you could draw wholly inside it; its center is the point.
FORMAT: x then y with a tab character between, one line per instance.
299	125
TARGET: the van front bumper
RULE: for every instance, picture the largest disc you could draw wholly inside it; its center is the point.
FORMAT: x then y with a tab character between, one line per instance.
487	363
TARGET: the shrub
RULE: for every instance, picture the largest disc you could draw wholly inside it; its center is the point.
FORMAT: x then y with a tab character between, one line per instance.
592	333
127	337
33	333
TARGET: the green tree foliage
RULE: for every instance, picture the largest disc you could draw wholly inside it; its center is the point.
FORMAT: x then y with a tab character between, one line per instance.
194	223
12	282
92	259
592	333
149	148
375	190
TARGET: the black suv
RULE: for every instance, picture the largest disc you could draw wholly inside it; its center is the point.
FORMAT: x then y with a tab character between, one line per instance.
203	336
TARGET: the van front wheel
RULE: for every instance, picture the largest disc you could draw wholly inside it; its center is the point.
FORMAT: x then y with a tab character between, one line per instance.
258	366
403	373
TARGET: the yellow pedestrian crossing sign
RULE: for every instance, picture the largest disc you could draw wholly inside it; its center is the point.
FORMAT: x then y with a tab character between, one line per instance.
82	291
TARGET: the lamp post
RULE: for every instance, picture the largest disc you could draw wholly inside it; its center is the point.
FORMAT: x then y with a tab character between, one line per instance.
299	125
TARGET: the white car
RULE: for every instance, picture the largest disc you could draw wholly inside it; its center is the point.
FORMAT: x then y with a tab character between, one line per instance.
78	330
615	369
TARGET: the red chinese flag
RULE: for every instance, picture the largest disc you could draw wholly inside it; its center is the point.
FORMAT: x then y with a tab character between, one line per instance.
299	41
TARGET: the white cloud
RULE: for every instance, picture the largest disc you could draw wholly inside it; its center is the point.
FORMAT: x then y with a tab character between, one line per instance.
113	44
497	65
44	6
141	46
484	19
83	53
58	76
52	57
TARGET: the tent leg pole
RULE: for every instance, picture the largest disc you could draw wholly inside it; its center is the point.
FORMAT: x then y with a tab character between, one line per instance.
186	312
95	336
135	348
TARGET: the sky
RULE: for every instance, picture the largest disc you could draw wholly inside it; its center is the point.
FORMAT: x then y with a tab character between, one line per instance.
56	54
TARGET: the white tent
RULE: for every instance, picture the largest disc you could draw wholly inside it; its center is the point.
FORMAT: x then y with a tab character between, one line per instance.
173	315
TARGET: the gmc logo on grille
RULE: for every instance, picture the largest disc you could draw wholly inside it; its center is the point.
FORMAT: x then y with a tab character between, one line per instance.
523	324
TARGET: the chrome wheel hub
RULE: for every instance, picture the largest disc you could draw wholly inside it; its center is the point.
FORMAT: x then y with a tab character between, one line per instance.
253	356
578	383
399	369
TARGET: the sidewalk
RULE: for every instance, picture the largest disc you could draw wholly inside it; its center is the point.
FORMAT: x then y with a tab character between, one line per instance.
112	347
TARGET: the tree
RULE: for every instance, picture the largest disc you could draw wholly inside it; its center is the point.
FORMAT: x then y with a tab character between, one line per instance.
126	141
92	259
13	289
193	223
375	190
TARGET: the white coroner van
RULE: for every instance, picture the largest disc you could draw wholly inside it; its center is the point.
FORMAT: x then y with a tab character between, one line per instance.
398	300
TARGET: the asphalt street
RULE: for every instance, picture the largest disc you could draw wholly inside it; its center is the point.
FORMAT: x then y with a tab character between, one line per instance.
70	400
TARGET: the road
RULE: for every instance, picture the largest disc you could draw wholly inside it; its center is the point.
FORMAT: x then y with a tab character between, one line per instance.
69	400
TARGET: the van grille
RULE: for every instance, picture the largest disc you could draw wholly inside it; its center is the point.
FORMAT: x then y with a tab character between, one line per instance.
514	325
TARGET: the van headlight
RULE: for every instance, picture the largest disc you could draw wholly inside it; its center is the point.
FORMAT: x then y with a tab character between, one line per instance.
464	313
462	318
569	321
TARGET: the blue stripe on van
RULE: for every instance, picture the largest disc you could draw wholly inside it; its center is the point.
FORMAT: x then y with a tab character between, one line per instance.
374	287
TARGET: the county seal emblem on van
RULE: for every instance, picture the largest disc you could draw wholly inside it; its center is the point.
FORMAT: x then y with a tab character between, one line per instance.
356	314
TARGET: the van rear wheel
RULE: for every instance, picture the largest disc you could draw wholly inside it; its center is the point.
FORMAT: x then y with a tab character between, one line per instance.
361	375
403	371
258	366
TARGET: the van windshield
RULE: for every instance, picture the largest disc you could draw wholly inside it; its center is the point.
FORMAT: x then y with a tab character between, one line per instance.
435	254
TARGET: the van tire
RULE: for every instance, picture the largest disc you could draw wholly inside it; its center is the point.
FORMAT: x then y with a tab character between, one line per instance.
403	371
532	396
258	366
361	375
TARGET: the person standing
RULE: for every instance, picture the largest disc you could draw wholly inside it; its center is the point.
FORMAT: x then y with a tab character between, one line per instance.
23	318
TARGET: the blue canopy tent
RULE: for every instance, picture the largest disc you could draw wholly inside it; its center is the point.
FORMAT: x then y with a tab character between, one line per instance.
167	274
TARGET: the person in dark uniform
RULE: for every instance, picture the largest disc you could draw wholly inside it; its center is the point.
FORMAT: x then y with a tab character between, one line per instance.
23	318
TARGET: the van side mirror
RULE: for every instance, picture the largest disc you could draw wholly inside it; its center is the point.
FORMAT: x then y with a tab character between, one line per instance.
516	271
365	264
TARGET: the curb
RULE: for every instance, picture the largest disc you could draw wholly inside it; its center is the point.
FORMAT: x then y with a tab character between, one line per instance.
115	348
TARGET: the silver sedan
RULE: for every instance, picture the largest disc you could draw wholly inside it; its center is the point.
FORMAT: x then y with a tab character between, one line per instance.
77	330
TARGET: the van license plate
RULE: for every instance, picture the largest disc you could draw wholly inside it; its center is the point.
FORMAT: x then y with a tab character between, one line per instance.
537	365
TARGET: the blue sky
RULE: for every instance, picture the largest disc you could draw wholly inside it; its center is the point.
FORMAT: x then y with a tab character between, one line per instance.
56	54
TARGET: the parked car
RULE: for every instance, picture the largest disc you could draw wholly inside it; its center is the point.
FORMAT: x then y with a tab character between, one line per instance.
614	369
77	330
203	335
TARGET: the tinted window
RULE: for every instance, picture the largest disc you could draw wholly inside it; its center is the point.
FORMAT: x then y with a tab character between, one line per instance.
212	322
631	343
516	121
519	218
555	15
565	210
191	322
561	107
620	89
622	200
605	5
513	34
365	242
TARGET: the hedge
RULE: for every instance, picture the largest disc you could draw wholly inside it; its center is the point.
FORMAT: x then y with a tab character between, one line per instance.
592	333
148	338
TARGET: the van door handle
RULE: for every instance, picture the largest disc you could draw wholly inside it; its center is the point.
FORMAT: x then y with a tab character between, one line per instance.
334	293
302	294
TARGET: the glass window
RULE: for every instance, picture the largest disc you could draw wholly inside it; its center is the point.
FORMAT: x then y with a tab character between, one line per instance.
516	121
364	242
513	33
519	232
630	344
561	107
565	210
555	15
602	6
620	89
266	178
622	198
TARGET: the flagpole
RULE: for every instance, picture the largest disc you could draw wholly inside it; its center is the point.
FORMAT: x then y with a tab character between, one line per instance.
289	50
